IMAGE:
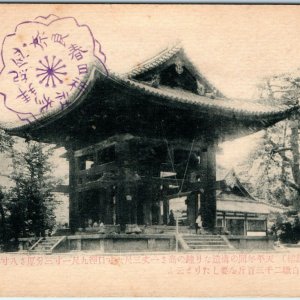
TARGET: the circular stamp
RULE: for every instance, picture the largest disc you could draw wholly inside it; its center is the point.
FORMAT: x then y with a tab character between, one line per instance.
47	65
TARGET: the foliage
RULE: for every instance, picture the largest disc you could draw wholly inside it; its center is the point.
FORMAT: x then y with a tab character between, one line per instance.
6	144
27	209
32	203
274	165
287	230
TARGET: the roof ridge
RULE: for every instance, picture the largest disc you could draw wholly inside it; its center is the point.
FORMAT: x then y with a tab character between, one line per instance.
155	61
272	205
240	183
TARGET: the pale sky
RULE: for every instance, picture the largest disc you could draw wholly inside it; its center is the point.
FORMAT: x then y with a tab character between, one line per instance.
234	46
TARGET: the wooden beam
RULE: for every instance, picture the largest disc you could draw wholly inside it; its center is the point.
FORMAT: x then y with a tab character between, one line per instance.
218	185
192	186
178	195
176	144
98	169
73	194
104	144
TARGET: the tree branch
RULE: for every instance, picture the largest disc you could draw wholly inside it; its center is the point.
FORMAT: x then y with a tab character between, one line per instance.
281	149
293	185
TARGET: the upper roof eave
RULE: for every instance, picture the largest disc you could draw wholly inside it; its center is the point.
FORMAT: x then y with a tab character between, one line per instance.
221	106
164	56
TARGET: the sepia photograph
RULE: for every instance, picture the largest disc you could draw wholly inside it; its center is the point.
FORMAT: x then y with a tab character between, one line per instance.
149	150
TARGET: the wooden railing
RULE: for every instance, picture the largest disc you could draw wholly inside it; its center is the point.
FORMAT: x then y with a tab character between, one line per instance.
227	242
35	244
63	238
182	242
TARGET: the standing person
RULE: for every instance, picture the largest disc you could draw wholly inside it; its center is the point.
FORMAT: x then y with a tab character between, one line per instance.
172	221
198	224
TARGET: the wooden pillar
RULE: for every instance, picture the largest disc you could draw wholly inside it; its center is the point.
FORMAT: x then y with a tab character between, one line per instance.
161	205
128	204
114	209
121	206
101	199
147	203
81	210
73	194
166	210
192	208
147	211
245	224
161	209
208	178
135	204
108	206
134	208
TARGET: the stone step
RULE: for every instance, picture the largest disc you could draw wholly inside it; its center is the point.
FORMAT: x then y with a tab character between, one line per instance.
48	242
45	244
32	252
43	247
203	239
206	243
209	247
202	235
40	249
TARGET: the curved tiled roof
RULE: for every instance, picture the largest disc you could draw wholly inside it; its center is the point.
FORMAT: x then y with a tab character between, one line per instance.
54	113
233	205
217	106
155	61
167	96
229	201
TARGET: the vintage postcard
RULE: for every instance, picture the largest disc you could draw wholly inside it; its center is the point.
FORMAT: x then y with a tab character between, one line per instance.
149	150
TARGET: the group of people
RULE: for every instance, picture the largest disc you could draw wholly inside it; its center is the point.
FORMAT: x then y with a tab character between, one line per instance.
198	223
91	224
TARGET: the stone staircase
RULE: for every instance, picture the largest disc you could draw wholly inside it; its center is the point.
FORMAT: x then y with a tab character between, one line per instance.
163	229
46	245
204	242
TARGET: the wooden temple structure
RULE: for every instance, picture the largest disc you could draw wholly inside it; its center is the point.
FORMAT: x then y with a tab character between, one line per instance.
238	211
136	140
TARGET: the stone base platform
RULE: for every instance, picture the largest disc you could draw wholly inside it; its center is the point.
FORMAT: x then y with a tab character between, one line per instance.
142	242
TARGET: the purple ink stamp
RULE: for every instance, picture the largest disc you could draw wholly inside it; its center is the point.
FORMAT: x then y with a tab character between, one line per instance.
47	64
